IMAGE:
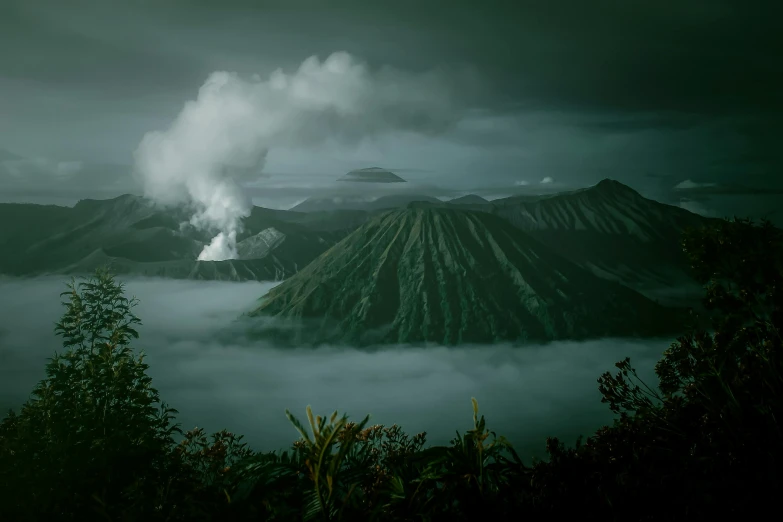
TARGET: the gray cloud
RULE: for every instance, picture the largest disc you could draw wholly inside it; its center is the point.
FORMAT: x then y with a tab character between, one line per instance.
727	200
64	180
728	205
526	393
574	90
689	187
224	136
697	207
26	169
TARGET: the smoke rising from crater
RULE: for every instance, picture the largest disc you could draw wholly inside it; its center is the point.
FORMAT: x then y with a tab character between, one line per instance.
223	137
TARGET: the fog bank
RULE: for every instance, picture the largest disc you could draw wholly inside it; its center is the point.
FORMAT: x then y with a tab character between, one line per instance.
525	393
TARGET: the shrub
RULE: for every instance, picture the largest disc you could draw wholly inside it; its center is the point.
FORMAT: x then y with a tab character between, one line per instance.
95	442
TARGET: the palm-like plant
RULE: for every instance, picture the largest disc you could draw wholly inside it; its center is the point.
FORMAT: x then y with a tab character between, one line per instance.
464	479
324	450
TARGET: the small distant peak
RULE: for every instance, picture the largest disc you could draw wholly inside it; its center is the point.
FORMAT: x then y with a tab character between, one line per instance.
372	175
608	183
127	197
470	199
613	186
123	200
421	204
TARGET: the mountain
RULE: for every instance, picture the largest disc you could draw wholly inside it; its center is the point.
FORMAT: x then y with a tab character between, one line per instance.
365	202
372	175
614	232
470	199
608	229
339	222
135	237
449	276
399	200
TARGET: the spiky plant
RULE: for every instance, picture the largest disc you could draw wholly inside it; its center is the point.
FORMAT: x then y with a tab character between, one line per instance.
467	478
324	450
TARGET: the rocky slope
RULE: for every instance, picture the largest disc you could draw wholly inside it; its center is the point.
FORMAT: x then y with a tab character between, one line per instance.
134	237
450	276
361	202
614	232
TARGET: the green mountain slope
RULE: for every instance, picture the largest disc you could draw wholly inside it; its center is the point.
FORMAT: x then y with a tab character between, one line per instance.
450	276
135	237
366	202
469	199
614	232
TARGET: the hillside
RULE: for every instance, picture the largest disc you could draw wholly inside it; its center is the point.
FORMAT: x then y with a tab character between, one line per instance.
614	232
449	276
608	229
135	237
364	202
469	199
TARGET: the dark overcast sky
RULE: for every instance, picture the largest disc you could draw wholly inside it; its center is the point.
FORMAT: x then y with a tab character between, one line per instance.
652	93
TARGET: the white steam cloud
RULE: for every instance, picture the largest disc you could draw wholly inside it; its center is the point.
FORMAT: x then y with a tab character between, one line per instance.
223	137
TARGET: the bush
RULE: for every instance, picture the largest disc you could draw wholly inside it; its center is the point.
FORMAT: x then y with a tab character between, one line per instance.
707	441
93	437
95	442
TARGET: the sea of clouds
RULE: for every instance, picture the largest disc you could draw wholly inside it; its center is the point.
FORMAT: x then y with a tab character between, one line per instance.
526	393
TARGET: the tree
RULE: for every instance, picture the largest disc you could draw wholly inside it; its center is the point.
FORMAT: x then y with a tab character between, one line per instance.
93	439
707	439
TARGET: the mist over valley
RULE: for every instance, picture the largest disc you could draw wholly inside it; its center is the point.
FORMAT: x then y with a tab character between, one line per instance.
289	321
518	228
527	393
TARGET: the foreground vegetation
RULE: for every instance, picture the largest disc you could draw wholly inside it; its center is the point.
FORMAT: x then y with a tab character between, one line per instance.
95	442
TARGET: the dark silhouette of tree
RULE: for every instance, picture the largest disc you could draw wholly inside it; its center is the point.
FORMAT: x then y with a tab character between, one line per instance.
94	442
93	436
706	440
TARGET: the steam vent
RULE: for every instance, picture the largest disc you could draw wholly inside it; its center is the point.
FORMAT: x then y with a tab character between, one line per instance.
372	175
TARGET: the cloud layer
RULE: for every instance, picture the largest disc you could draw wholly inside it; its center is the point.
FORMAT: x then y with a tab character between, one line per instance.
526	394
223	137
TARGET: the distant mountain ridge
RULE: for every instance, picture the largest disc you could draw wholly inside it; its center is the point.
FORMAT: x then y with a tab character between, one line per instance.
469	199
451	276
366	203
609	207
372	175
608	229
135	237
613	231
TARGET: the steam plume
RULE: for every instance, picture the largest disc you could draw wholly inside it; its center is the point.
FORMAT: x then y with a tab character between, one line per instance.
223	137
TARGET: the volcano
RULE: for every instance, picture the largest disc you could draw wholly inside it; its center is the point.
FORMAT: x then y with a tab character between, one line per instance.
615	233
426	274
134	237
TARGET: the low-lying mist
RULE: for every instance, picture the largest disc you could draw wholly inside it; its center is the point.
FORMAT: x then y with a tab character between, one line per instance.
525	393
